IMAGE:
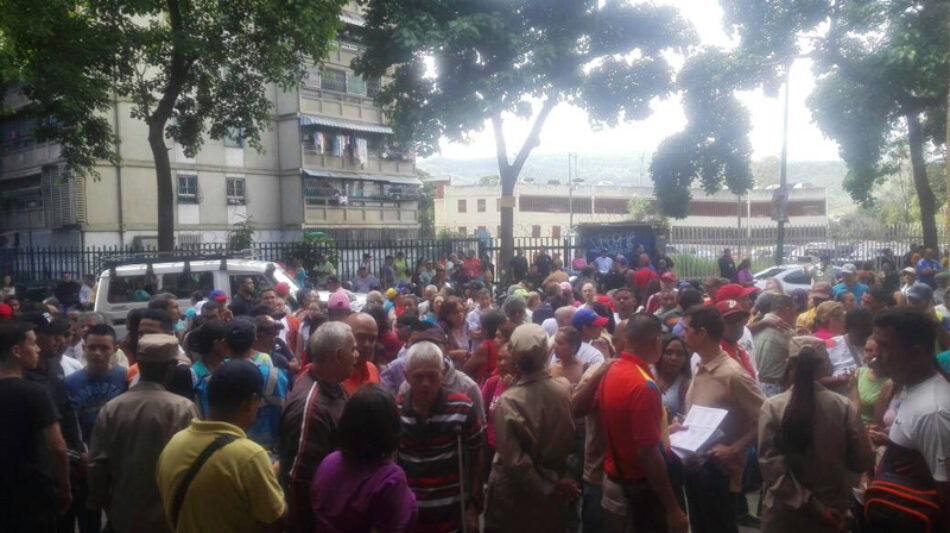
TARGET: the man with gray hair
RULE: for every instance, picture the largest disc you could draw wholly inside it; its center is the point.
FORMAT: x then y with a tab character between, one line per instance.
308	423
427	295
534	430
432	419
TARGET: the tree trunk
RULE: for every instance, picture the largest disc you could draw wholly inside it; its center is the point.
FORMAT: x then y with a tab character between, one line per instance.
508	180
925	195
163	183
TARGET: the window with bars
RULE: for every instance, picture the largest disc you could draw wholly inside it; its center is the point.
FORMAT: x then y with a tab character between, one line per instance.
373	86
187	189
535	231
333	80
236	191
355	84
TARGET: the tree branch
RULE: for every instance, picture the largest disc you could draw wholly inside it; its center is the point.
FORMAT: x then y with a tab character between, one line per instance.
534	137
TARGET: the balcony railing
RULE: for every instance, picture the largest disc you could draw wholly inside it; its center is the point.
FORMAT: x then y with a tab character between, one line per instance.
351	216
375	165
22	219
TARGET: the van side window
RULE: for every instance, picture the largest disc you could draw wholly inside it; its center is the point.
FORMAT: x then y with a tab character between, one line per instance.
183	285
124	289
260	282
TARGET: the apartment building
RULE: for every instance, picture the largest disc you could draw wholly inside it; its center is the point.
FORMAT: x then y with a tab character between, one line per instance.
545	210
329	163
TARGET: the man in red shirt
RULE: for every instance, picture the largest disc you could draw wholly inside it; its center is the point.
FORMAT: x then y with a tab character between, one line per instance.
643	275
637	489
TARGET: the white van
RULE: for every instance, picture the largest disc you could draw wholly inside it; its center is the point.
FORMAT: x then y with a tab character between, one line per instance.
128	284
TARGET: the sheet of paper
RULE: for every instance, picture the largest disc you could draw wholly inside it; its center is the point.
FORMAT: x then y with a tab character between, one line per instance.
701	423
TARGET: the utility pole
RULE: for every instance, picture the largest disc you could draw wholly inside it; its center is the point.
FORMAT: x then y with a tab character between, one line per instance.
571	171
781	206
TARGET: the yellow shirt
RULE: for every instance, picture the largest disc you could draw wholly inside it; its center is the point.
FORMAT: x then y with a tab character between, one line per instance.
235	490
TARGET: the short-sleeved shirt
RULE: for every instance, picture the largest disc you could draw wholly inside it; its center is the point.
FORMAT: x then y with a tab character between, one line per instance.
235	489
90	393
586	354
349	496
428	452
923	423
357	380
26	410
858	290
631	411
595	443
604	264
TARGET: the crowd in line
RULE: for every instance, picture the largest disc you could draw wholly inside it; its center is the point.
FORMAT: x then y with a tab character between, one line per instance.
550	412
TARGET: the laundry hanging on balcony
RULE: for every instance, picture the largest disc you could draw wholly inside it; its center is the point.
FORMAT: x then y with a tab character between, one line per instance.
318	139
339	145
360	152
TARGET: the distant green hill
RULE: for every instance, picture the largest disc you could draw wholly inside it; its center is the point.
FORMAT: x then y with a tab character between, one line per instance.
634	169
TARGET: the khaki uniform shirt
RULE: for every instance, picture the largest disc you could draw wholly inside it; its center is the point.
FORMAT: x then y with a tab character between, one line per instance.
723	384
840	449
595	442
130	433
535	434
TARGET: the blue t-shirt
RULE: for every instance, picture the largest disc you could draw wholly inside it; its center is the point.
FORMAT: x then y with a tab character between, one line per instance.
857	290
89	393
264	429
931	266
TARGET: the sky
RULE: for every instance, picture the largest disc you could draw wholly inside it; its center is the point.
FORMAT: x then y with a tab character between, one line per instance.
568	130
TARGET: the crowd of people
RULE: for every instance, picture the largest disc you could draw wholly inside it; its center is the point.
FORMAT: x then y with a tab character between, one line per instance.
550	409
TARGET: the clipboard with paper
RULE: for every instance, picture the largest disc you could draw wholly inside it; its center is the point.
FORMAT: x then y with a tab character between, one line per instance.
702	431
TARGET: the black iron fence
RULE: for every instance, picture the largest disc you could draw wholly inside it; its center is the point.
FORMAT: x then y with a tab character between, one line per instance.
693	250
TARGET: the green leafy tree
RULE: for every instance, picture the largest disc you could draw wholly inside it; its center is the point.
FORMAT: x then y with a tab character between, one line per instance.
881	68
459	64
242	236
192	68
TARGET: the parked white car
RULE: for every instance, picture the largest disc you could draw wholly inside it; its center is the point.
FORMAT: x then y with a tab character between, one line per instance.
127	285
792	277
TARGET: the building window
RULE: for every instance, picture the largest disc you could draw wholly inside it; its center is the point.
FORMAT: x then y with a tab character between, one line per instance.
463	230
535	231
187	189
236	191
234	138
355	84
373	86
333	80
481	205
463	206
482	228
556	232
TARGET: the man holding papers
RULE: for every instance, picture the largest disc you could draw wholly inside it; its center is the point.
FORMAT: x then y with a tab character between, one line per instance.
713	483
637	491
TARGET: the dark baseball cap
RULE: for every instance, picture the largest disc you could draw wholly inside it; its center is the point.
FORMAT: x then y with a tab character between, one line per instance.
52	324
242	329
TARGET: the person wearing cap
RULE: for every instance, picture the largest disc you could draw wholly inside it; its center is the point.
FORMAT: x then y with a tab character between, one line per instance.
130	433
432	419
338	306
820	292
909	277
34	460
727	266
734	317
668	282
850	283
534	431
242	333
235	489
810	441
633	459
308	422
590	325
714	489
771	344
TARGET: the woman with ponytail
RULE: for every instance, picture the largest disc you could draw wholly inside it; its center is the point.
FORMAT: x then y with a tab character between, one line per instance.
811	446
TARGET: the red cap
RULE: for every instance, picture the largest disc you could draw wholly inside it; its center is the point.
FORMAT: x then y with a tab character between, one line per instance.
282	289
733	291
606	300
6	312
669	276
729	308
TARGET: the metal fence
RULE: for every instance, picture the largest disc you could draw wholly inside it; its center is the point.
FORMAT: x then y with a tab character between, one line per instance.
694	250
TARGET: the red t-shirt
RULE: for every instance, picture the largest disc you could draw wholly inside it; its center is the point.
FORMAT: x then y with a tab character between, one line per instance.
631	410
357	379
642	277
739	355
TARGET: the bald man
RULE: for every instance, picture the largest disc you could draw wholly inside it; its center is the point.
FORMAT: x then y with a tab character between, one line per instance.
366	332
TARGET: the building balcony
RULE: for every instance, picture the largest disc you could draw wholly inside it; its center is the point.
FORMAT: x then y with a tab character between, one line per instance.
374	165
19	160
357	216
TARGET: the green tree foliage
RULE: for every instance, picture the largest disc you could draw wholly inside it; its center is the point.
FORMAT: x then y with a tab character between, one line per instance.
191	68
241	237
457	64
881	68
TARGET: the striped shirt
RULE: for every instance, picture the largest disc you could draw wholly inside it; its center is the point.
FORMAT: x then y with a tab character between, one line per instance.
428	452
